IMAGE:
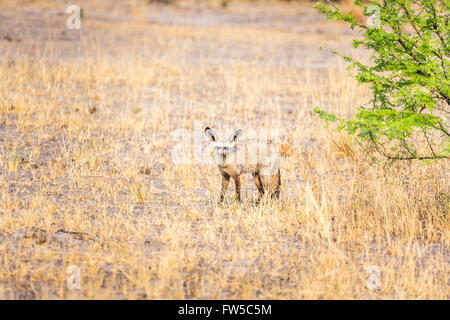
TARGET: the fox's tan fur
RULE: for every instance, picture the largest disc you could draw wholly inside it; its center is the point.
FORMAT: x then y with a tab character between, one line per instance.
254	156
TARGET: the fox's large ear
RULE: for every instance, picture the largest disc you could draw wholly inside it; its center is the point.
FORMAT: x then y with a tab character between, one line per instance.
235	135
210	133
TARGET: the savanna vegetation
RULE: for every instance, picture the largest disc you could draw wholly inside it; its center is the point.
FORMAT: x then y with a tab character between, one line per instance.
92	204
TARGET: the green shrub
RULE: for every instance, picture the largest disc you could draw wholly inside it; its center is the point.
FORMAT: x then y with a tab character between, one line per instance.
407	117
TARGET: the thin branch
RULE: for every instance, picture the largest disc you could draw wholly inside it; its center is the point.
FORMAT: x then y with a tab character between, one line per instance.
429	142
442	129
411	21
79	233
414	157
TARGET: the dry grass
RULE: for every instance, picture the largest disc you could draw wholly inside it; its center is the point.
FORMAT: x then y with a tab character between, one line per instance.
87	178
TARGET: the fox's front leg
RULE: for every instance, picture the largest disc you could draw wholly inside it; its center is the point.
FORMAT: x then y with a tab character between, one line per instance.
259	184
225	181
237	183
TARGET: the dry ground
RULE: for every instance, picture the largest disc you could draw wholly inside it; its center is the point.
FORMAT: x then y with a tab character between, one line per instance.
88	185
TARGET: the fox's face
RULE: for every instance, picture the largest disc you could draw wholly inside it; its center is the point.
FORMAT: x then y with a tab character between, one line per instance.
255	156
223	148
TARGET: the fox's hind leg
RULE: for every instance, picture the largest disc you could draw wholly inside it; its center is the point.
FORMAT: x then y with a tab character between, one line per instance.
259	184
237	183
274	185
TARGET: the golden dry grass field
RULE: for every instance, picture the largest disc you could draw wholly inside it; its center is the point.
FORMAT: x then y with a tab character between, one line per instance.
92	204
